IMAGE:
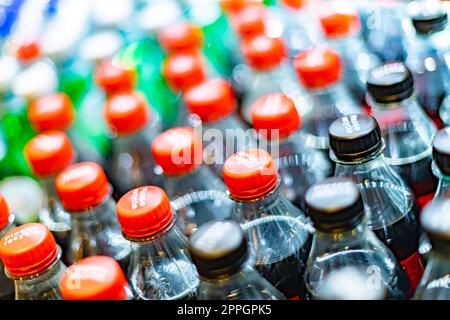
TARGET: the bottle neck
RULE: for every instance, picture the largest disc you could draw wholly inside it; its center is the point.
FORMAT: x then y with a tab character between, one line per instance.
443	188
48	185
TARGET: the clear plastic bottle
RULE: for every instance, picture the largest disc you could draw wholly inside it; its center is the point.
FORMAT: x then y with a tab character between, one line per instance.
320	72
6	225
197	194
277	231
357	148
213	102
48	154
341	27
95	278
133	127
435	221
427	54
406	129
278	123
85	193
160	265
32	259
441	163
225	265
342	239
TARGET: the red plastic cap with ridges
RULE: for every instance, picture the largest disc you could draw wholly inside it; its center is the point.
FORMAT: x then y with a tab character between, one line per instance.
338	23
183	70
250	174
94	278
49	153
318	68
250	21
27	50
275	112
126	112
82	186
263	53
113	77
4	212
211	99
51	112
181	36
144	212
28	249
178	150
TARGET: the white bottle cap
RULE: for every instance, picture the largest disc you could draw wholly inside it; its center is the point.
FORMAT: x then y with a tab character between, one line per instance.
158	16
111	13
101	45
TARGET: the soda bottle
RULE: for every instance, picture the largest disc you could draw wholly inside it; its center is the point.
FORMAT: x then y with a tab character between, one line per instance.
427	58
48	154
198	195
434	220
342	239
276	230
225	264
32	260
133	127
407	131
278	123
341	26
441	163
320	72
160	264
6	225
95	278
357	148
85	194
213	102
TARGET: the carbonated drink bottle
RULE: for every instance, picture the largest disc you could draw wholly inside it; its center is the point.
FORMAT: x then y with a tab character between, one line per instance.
357	148
95	278
198	196
320	72
160	264
278	123
225	264
6	225
85	194
276	230
441	163
407	131
434	220
342	239
48	154
32	260
133	126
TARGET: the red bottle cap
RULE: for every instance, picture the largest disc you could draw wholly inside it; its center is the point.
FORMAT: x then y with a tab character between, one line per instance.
144	211
4	212
112	77
211	99
28	249
183	69
275	112
27	50
49	153
233	6
263	53
178	150
318	68
294	4
337	23
94	278
81	186
126	112
181	36
250	174
249	21
52	112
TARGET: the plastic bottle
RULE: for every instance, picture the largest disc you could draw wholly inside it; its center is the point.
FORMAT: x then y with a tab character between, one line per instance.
441	163
6	225
160	265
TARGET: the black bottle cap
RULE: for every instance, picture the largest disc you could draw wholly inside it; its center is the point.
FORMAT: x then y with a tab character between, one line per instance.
426	22
441	150
218	248
354	137
435	220
390	82
334	204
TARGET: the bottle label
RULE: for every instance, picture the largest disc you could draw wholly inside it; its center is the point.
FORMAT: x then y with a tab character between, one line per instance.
295	298
414	268
422	201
